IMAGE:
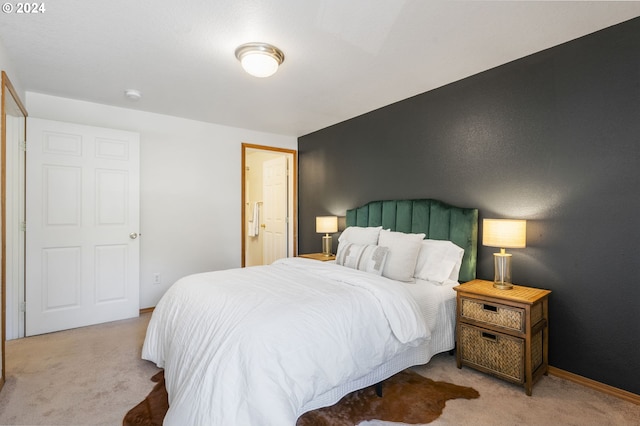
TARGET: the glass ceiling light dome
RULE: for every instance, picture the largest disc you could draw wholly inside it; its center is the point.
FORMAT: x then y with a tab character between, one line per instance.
259	59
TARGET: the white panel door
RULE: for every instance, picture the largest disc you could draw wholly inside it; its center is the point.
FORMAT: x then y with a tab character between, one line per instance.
275	205
82	255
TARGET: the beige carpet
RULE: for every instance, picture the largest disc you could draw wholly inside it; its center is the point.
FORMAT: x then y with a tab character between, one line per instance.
85	376
94	375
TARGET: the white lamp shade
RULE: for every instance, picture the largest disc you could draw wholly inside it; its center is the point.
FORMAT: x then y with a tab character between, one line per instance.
326	224
259	64
504	233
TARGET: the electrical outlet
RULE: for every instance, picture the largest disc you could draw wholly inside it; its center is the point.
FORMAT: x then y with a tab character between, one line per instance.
156	278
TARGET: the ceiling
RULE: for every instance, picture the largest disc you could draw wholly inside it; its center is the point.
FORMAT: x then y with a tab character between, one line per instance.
343	58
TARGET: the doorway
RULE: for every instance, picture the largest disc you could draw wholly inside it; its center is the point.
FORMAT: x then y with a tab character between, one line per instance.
269	204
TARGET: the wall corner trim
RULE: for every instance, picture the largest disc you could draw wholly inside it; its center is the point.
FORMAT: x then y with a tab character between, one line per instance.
610	390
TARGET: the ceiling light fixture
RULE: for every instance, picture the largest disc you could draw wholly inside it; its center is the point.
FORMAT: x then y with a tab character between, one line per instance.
259	59
133	94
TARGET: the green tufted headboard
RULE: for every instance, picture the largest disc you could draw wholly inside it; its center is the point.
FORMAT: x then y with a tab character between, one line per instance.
438	220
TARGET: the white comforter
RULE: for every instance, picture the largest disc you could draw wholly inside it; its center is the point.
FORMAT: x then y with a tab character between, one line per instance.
252	346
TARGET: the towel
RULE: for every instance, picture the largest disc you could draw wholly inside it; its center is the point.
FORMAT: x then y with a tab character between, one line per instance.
254	223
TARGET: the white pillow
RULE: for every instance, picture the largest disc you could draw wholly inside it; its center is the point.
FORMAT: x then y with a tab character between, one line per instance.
360	235
367	258
439	260
403	254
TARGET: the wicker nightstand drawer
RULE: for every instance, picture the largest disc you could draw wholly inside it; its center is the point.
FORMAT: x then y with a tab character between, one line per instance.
493	313
499	353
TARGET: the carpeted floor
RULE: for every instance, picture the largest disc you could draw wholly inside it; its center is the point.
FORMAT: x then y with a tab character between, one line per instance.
85	376
94	376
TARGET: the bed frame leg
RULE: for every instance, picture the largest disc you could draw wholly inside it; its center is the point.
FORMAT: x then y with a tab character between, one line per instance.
453	351
379	389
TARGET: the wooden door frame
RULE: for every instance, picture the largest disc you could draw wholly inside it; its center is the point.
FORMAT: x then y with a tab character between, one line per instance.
6	86
294	171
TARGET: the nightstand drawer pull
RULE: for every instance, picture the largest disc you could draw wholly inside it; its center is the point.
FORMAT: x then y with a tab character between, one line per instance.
489	336
490	308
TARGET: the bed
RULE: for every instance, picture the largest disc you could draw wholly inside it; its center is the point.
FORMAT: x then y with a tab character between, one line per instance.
263	345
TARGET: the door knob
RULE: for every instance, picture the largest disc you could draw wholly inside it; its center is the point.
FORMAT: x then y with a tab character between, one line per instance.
133	235
263	226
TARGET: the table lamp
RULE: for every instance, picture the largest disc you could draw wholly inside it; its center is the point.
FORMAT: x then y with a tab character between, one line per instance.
503	233
326	225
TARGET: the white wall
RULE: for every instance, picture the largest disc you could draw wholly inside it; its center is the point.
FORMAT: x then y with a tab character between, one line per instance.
190	177
6	65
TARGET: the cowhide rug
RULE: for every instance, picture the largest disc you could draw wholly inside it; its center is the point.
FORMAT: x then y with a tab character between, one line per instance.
407	397
151	411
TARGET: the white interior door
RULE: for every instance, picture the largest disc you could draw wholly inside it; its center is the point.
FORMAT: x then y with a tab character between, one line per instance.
275	205
82	259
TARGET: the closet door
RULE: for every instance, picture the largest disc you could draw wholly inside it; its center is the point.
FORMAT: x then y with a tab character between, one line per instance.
82	226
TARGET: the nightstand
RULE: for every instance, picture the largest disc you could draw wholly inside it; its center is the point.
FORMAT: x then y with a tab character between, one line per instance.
318	256
503	332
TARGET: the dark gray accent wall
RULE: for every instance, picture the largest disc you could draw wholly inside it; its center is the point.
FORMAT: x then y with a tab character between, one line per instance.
553	138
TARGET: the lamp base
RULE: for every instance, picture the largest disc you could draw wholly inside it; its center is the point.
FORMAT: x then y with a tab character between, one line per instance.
502	268
326	245
502	286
